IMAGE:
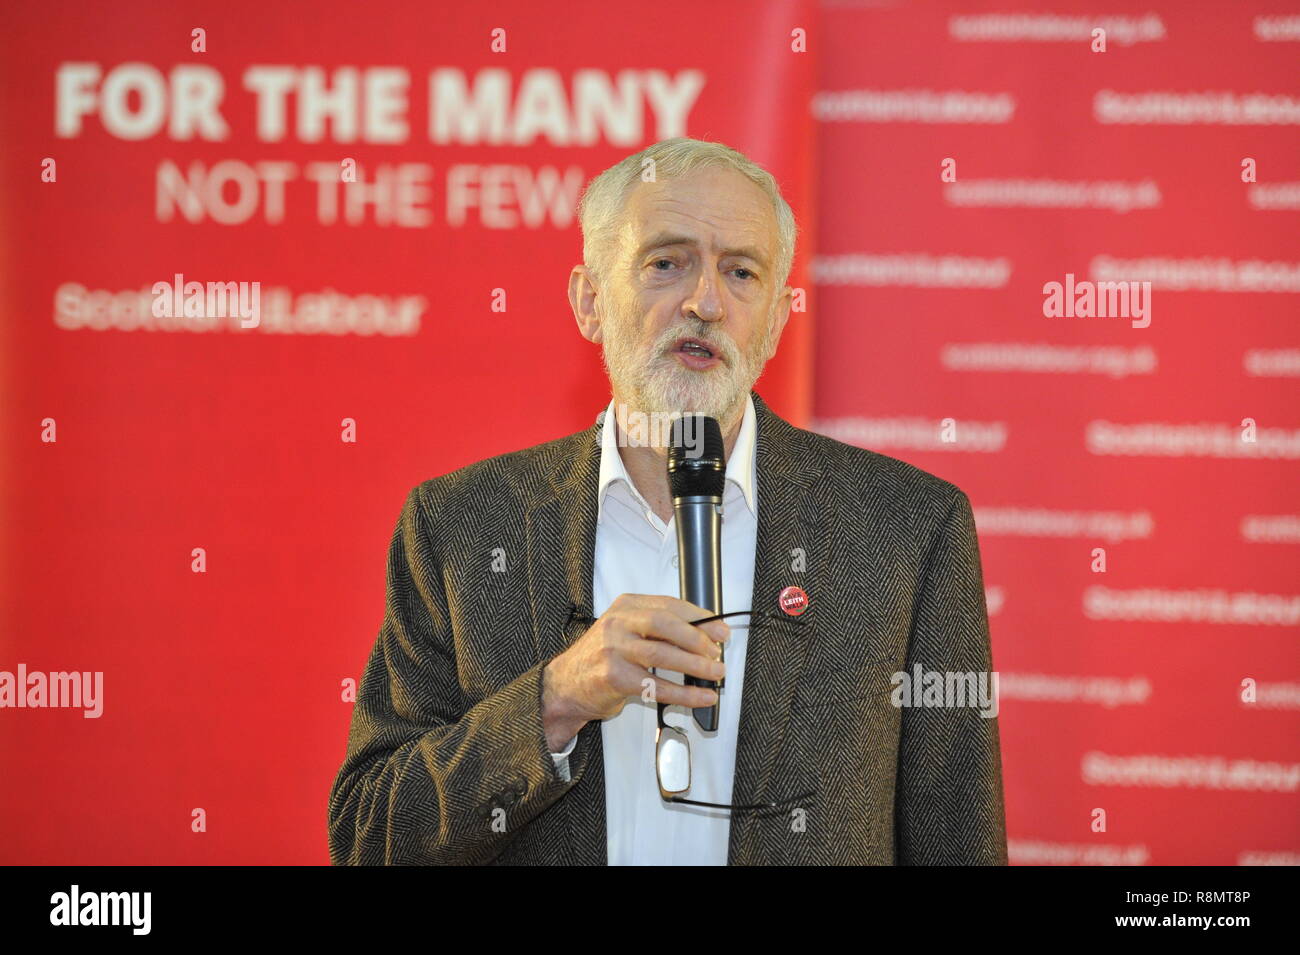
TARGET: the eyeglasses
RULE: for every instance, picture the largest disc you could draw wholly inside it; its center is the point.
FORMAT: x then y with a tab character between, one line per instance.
673	748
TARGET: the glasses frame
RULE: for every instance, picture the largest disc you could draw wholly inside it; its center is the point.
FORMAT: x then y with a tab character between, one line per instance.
666	730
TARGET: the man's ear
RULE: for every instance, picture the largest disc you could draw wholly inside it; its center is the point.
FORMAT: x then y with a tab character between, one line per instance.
582	299
781	315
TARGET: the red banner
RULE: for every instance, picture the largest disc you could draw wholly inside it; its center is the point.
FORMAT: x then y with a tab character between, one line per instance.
198	509
992	176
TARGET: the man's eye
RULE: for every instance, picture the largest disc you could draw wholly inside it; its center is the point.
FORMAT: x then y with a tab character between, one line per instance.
748	274
657	261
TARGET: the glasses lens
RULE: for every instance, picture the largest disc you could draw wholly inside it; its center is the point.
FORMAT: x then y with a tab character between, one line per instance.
673	761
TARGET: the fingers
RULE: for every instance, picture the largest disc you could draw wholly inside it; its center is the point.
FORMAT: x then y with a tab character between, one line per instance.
663	624
676	694
671	644
653	631
720	630
717	630
665	656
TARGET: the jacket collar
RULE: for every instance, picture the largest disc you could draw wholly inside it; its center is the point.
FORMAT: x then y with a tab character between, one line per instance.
740	463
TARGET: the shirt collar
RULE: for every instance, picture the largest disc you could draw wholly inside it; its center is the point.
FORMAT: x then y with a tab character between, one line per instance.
741	464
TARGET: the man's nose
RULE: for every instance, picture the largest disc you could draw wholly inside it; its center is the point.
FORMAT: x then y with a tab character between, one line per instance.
705	300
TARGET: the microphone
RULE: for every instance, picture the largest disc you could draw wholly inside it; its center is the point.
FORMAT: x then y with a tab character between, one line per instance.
697	476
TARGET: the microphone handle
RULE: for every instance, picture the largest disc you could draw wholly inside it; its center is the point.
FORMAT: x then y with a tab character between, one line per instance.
699	562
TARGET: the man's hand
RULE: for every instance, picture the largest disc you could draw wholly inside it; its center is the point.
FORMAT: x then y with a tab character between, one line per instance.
608	664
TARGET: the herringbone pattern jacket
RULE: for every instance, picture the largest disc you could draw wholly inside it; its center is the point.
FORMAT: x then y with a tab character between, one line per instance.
447	762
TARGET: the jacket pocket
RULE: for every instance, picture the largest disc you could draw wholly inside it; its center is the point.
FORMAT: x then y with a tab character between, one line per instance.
871	680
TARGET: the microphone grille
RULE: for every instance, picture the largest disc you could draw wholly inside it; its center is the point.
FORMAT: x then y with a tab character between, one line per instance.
696	466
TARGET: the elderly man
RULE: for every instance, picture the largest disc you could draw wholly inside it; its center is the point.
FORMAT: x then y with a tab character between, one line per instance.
509	710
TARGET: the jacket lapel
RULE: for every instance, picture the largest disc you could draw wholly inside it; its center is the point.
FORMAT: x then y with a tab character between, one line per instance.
791	533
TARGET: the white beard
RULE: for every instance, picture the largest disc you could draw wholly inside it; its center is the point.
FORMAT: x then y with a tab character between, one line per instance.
659	382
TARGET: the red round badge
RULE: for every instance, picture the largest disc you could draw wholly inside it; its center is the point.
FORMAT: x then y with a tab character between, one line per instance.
793	601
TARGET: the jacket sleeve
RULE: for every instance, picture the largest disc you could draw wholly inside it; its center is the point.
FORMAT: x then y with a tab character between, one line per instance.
949	805
425	780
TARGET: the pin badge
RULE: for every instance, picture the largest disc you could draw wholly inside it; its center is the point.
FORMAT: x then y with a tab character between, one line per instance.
793	601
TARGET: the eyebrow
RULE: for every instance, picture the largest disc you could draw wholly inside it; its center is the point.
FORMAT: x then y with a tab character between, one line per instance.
666	239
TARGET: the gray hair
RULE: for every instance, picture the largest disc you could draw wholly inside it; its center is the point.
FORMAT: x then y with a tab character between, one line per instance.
600	210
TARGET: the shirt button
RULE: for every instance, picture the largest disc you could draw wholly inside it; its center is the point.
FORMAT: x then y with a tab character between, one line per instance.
674	560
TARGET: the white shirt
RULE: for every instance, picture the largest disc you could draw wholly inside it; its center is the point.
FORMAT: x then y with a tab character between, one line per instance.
636	553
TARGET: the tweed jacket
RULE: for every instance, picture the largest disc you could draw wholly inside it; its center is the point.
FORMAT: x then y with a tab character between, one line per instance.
489	576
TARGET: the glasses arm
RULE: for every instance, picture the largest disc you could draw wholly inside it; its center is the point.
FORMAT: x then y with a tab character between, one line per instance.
754	807
766	614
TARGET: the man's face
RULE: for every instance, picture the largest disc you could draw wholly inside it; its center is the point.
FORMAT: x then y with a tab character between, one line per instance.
691	312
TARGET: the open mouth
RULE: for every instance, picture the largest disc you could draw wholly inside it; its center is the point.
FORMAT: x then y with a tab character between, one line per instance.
694	348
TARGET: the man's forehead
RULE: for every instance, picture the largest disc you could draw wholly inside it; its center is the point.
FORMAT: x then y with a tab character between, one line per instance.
694	210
